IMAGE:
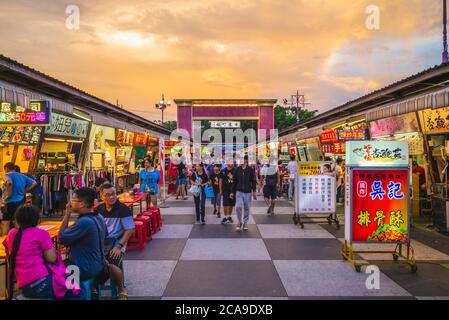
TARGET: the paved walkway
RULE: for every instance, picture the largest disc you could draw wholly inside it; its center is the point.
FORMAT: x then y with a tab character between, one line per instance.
274	259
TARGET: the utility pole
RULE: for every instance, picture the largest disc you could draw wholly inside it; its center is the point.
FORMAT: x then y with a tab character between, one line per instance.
445	53
297	102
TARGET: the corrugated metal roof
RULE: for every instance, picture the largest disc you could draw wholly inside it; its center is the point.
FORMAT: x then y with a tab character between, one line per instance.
13	64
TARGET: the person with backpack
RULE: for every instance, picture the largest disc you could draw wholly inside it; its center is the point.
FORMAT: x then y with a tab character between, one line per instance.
245	185
181	181
33	259
215	178
271	177
227	191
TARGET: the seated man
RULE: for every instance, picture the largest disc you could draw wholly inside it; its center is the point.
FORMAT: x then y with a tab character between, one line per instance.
85	241
119	221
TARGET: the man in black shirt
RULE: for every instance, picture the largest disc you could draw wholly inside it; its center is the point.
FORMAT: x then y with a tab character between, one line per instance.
245	183
227	190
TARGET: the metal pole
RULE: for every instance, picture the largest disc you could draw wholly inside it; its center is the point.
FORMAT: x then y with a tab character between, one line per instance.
445	53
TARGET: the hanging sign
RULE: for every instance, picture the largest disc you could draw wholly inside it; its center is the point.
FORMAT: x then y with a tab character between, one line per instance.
380	205
435	120
316	185
37	114
125	138
377	153
328	136
62	125
140	139
351	135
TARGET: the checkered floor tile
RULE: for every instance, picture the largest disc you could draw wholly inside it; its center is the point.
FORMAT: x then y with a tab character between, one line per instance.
274	259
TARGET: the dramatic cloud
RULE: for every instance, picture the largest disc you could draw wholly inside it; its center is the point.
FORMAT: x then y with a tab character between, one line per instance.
136	50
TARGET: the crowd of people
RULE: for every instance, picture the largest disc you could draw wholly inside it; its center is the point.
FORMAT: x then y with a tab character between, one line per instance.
234	186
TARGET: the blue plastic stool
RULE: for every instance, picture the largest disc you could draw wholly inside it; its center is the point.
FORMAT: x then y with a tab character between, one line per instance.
85	287
110	287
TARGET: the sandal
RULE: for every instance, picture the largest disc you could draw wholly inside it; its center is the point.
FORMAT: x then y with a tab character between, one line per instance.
122	296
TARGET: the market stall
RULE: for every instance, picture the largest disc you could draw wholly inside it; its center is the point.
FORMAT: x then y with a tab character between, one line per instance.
377	207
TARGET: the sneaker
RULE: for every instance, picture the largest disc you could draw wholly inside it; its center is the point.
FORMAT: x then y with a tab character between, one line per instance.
245	226
269	209
225	220
197	222
215	211
203	222
218	215
239	226
230	220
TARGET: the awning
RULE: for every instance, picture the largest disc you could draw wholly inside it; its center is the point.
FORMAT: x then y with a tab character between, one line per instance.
112	143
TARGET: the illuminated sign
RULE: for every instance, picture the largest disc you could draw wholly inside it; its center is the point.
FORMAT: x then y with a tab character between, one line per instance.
377	153
316	185
351	135
66	126
37	114
140	139
20	135
380	206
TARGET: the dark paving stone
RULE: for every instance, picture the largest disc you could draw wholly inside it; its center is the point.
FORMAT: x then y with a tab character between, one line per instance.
276	219
159	249
225	279
351	298
431	238
303	249
223	231
332	229
181	203
178	219
283	204
430	280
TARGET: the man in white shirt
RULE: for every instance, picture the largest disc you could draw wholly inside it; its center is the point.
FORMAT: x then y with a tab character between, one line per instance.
292	168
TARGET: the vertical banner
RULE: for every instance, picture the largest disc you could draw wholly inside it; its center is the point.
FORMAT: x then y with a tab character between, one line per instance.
162	159
316	188
380	205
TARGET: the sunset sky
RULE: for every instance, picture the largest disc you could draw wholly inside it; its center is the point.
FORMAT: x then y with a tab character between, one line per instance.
135	50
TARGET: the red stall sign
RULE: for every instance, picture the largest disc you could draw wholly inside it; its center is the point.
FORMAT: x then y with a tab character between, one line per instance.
380	206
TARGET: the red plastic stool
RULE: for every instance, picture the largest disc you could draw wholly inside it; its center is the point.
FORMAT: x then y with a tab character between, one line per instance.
137	240
153	220
146	225
156	220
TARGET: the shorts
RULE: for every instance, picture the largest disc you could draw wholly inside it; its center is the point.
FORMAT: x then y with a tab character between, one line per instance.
9	210
227	201
217	200
181	181
270	192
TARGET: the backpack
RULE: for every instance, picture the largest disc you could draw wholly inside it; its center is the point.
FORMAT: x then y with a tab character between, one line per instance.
271	180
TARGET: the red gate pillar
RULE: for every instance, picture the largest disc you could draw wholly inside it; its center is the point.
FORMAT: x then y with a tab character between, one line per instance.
266	121
185	113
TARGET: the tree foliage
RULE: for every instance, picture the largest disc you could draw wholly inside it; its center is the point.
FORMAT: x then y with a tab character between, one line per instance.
284	117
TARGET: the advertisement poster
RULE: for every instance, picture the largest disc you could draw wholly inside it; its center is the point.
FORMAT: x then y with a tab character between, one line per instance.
394	125
317	189
376	153
380	206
